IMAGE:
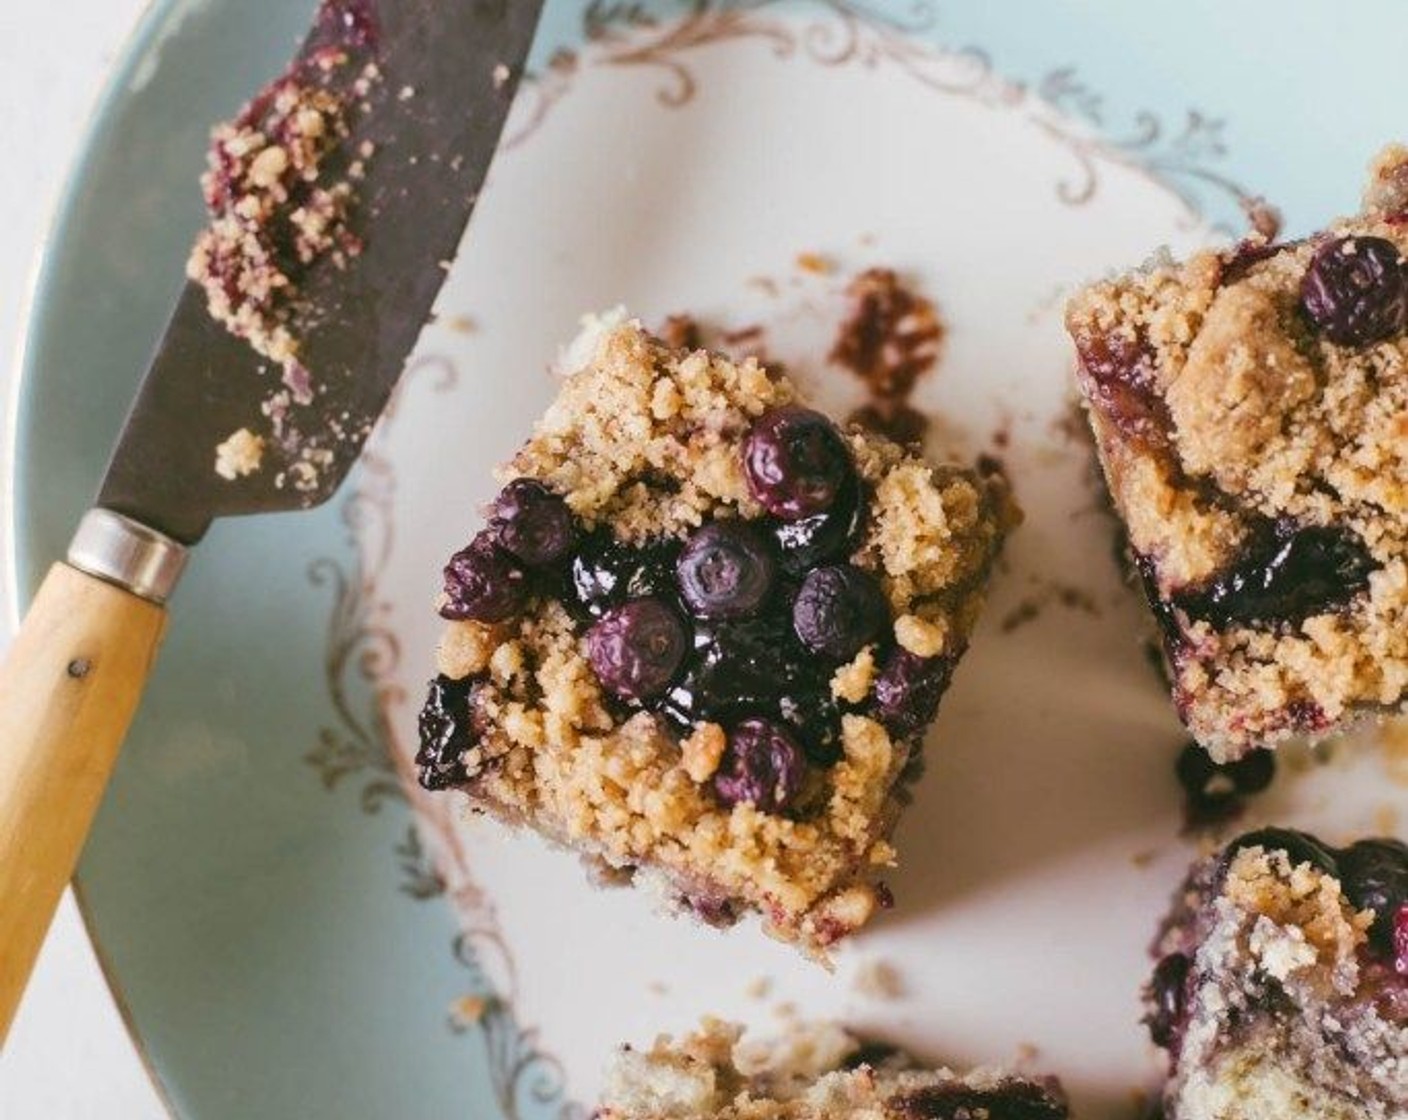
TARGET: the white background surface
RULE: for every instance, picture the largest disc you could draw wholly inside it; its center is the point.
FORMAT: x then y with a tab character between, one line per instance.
68	1057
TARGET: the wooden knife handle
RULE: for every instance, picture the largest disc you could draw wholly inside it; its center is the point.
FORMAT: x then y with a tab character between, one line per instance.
68	690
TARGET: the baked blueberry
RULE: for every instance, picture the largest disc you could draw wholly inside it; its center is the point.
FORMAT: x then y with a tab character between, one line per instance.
533	523
839	610
484	582
1300	847
796	462
726	570
908	691
1356	290
763	766
446	732
637	648
1168	999
1374	874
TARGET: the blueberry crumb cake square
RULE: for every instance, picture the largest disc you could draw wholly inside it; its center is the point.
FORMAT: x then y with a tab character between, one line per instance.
813	1072
1281	990
1250	409
703	632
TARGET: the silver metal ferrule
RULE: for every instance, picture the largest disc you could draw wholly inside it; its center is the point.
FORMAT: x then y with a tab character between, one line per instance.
126	552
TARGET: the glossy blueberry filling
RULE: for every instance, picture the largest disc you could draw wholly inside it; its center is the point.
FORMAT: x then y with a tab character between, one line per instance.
742	624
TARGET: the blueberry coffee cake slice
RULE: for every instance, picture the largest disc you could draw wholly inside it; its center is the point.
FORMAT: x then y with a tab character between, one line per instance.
1250	409
1281	991
703	633
814	1072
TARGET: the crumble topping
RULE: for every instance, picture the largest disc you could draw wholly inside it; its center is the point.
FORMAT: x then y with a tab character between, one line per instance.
815	1071
1276	992
1297	897
280	188
273	214
1221	410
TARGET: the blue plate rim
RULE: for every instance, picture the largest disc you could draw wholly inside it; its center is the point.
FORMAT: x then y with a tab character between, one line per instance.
136	45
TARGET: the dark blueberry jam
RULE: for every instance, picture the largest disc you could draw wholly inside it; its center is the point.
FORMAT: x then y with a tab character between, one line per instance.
758	667
1285	574
605	573
823	537
1217	792
743	624
1168	1001
1014	1100
446	733
1118	372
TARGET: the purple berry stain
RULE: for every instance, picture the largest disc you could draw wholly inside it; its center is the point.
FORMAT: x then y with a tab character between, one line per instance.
1118	374
637	648
796	462
1355	290
763	766
351	22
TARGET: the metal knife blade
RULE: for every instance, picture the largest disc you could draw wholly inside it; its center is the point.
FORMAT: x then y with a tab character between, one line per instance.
448	72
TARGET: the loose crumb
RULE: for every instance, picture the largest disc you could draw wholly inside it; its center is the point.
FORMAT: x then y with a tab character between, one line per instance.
466	1011
240	455
877	979
1394	737
815	263
760	987
460	324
